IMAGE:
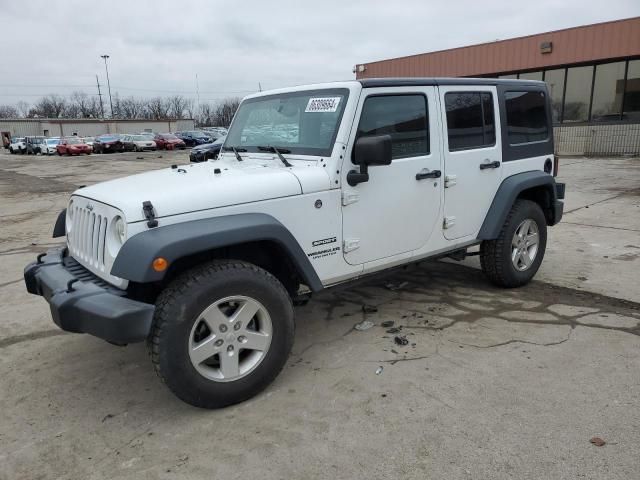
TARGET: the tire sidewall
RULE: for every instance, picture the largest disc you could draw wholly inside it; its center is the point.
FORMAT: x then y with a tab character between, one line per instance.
174	362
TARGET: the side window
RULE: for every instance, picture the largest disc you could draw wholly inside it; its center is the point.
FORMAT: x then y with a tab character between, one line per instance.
470	120
404	117
526	117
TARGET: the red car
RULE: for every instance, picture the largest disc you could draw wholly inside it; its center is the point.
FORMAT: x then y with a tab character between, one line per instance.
168	141
72	146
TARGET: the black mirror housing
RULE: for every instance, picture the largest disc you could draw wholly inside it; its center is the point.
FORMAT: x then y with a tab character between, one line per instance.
375	150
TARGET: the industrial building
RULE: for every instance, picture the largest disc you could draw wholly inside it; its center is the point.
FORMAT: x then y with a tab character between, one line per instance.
593	74
88	127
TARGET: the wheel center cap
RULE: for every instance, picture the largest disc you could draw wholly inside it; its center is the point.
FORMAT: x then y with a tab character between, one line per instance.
230	337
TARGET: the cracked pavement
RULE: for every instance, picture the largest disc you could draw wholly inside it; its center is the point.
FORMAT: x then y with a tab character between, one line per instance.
493	383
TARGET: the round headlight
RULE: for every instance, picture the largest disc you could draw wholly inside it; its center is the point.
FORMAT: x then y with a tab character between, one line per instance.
120	229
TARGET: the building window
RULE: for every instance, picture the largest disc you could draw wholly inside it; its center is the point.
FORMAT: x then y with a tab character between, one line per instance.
632	92
470	120
403	117
555	82
531	76
578	94
607	92
526	117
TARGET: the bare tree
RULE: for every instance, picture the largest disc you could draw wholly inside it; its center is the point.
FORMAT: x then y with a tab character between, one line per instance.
8	111
23	108
177	106
131	108
83	106
158	108
225	111
51	106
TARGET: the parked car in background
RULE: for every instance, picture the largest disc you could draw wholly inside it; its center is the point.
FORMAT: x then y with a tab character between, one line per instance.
34	144
138	143
18	145
72	146
195	137
215	132
110	142
208	151
89	141
49	147
168	141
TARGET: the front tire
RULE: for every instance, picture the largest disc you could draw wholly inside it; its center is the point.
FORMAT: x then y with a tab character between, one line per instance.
221	333
512	259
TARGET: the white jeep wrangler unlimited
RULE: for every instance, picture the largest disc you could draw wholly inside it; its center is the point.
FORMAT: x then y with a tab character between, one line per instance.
315	186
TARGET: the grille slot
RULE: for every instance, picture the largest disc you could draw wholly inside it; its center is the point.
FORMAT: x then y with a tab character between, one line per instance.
84	275
88	236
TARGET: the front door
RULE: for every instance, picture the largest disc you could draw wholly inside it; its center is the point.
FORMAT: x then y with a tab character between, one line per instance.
473	157
396	210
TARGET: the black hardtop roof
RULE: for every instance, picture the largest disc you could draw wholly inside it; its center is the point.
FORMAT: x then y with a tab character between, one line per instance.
432	81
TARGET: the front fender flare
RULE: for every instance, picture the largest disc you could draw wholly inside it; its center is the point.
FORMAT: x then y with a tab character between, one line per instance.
172	242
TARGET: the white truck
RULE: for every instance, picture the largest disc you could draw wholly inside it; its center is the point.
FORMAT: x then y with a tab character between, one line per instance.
315	186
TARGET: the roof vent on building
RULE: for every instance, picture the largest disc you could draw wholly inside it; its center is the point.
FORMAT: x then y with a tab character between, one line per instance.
359	68
546	47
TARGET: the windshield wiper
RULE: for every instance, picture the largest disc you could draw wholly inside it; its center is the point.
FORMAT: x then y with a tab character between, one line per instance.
279	152
235	151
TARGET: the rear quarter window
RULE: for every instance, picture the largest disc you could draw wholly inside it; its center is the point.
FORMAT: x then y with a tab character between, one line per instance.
526	117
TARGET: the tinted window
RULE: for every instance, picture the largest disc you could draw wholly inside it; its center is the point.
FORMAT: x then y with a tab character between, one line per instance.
607	92
555	84
632	94
526	117
404	117
470	120
578	94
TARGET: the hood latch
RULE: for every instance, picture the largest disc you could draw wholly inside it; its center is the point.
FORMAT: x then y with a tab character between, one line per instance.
149	213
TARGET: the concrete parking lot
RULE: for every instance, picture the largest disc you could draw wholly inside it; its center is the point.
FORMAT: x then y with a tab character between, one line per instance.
497	384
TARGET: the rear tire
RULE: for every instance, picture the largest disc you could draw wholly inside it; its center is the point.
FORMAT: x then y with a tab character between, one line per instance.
204	310
512	259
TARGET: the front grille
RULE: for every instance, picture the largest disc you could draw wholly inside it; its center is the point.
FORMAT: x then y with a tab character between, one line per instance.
87	237
84	275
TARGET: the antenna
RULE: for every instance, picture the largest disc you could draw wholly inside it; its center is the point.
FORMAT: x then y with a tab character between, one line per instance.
259	87
100	96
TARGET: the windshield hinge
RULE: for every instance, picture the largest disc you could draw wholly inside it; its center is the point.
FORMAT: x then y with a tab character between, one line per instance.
149	213
350	244
349	197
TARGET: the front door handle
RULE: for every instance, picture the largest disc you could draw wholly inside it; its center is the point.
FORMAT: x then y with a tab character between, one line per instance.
424	173
484	166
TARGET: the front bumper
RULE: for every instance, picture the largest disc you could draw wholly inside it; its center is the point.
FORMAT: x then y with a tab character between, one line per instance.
80	302
558	204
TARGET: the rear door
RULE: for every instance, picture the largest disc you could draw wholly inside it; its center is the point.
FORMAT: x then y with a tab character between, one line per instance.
473	156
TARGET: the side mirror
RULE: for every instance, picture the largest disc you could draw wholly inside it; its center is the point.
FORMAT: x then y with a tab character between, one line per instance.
367	151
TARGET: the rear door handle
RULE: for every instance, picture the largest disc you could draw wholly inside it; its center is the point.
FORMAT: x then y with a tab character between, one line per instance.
484	166
424	173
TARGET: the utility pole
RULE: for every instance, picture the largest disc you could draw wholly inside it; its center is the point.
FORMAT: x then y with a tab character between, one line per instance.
104	57
100	97
197	96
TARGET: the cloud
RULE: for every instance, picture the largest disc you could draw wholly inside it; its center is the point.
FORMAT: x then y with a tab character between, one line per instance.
158	47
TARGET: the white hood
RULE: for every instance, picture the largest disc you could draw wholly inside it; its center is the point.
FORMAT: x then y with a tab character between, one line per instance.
193	187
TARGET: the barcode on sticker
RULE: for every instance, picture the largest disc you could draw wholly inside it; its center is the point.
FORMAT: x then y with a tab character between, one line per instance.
322	104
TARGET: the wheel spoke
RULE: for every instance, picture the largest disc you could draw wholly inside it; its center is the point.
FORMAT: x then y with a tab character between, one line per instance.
255	341
532	239
245	313
213	317
204	350
229	364
514	255
526	260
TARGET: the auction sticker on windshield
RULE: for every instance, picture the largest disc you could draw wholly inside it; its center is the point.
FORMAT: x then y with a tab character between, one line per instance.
322	104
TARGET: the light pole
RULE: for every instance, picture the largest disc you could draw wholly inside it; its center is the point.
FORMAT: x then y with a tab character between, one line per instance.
108	84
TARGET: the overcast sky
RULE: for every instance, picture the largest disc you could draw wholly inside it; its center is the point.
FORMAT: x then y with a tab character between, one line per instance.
158	47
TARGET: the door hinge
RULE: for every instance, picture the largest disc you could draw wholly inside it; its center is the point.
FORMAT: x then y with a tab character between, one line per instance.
349	197
450	180
350	244
448	222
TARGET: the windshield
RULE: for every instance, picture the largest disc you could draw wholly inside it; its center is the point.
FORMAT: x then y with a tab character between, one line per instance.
169	136
303	122
53	141
108	138
73	141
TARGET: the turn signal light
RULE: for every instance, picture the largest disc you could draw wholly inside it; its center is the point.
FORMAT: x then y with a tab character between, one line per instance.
160	264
